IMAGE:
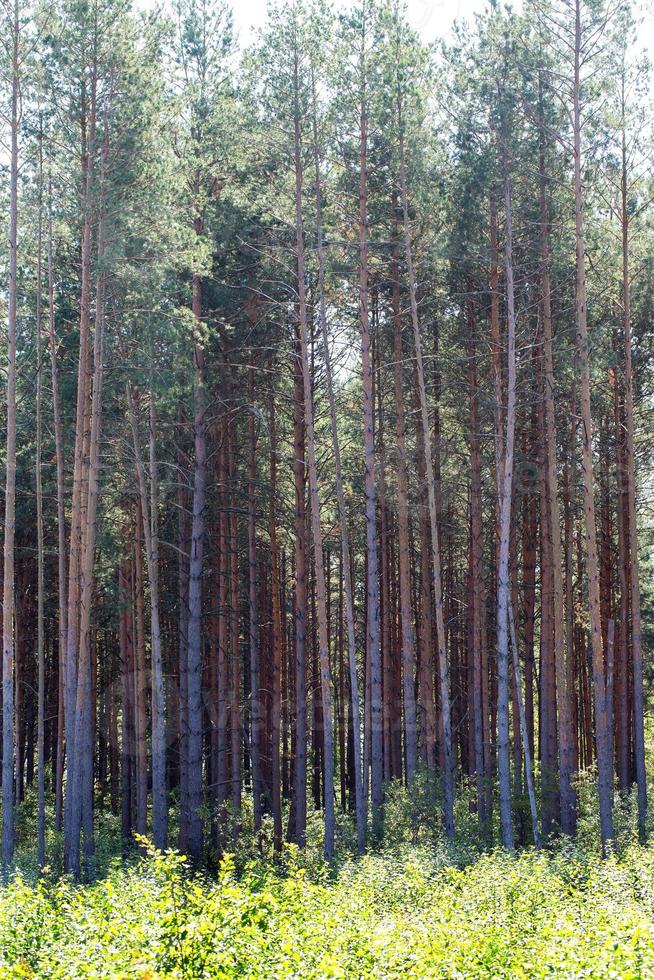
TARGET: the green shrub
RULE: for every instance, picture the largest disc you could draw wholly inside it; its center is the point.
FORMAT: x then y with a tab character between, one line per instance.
406	912
420	906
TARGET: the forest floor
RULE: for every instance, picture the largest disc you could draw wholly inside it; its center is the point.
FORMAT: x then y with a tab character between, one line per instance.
417	909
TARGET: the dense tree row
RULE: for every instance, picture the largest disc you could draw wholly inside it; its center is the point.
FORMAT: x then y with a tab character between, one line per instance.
328	386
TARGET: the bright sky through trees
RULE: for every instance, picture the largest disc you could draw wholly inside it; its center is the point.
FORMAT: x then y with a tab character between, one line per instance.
432	19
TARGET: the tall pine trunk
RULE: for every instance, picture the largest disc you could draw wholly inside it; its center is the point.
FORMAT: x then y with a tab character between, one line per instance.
194	646
8	655
372	546
57	425
81	766
276	634
149	516
40	600
503	571
441	651
78	506
319	565
404	548
298	810
602	733
253	619
478	597
346	563
632	522
561	653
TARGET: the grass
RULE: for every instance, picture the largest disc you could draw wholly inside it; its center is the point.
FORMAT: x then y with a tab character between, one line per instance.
418	908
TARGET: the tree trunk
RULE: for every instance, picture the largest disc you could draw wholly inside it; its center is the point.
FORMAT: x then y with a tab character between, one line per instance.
408	643
195	584
253	621
319	566
503	570
446	725
276	635
561	654
149	513
524	733
425	606
347	586
550	799
40	628
235	706
372	548
82	763
61	526
183	548
621	685
630	465
10	471
140	675
529	533
88	127
478	597
219	726
298	811
127	706
602	734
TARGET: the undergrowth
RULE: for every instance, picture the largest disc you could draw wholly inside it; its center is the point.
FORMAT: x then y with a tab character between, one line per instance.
417	907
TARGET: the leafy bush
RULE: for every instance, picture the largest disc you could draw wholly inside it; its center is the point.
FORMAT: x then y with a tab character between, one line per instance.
420	906
407	912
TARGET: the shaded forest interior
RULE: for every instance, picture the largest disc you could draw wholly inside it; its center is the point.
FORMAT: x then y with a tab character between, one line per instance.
328	423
